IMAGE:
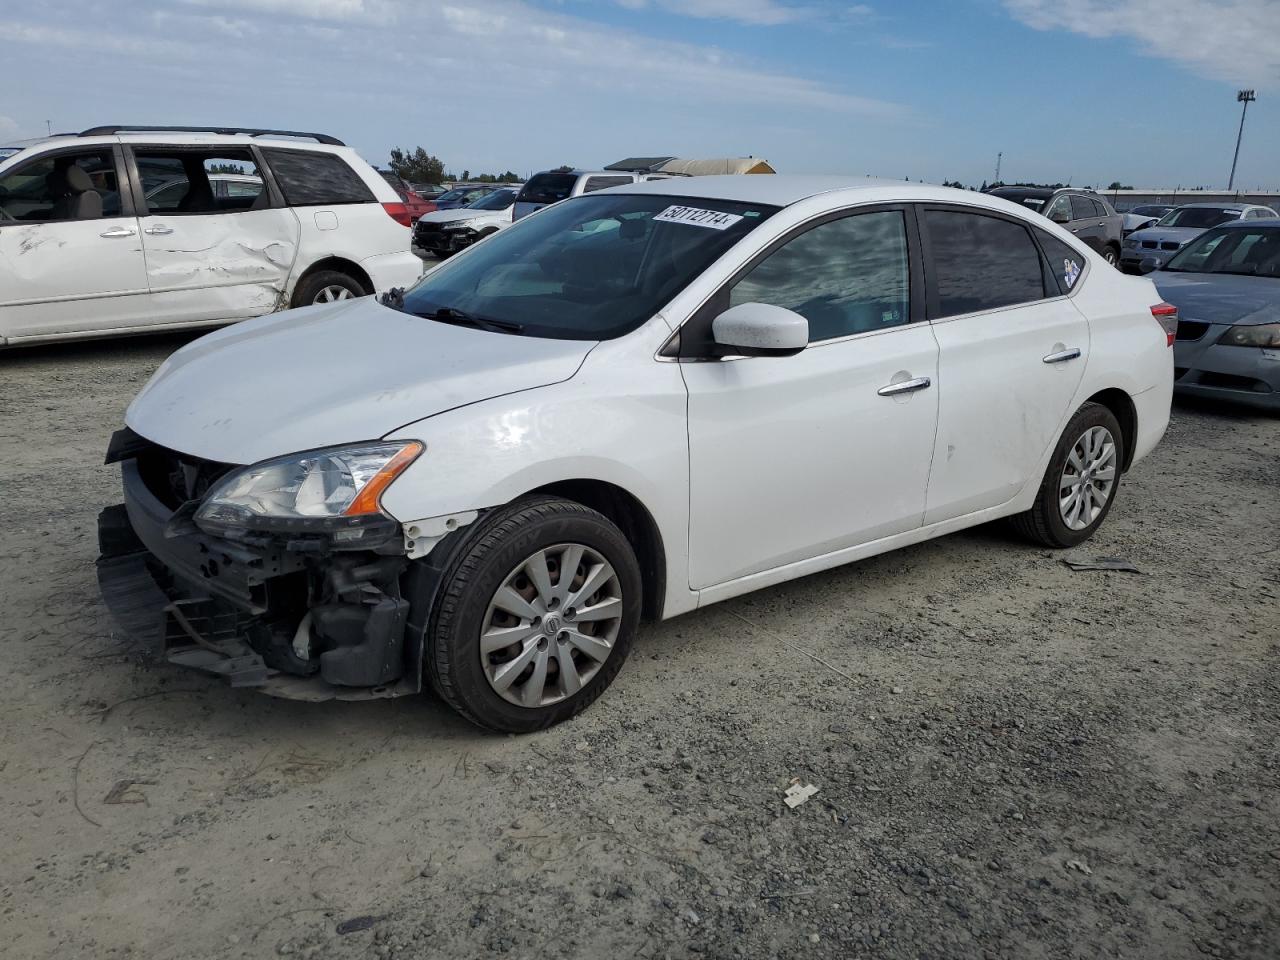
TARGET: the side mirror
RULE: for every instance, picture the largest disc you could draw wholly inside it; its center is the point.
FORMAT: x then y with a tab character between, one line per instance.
1148	265
760	330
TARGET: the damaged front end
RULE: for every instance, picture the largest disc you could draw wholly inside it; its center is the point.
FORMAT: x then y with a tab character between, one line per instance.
200	562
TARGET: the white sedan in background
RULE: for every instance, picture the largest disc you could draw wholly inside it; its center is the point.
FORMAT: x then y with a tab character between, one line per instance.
634	403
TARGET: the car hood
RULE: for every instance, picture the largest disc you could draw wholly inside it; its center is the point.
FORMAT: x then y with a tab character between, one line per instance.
1134	220
1180	234
330	374
1221	297
453	216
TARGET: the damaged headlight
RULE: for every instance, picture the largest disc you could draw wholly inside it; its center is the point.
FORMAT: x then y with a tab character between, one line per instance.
336	490
1256	335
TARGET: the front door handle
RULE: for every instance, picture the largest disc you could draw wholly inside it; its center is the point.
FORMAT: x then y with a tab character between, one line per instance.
1062	356
116	232
159	230
905	386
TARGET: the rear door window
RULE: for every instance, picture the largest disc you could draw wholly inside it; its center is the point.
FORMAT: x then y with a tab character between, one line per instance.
981	263
308	178
1082	208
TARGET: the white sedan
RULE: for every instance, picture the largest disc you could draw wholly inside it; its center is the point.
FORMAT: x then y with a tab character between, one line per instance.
634	403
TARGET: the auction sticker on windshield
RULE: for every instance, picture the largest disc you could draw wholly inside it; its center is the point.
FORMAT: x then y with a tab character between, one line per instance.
698	217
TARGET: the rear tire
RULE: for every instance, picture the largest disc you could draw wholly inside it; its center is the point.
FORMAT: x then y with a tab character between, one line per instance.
566	639
1112	256
326	286
1080	483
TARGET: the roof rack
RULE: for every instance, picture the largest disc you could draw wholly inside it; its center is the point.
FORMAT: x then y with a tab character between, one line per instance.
251	131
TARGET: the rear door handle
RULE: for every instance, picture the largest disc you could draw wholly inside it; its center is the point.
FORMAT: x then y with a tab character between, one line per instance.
159	230
906	386
1062	356
116	232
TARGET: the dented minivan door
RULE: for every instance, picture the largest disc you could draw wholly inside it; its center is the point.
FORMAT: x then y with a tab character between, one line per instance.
219	243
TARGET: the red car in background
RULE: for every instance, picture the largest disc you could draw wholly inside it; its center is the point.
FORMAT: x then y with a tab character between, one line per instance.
412	202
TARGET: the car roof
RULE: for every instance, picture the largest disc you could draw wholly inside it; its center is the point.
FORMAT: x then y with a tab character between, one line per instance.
173	137
1270	223
782	190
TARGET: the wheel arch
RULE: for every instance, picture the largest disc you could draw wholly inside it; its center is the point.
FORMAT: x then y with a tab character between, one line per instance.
635	521
1122	407
340	264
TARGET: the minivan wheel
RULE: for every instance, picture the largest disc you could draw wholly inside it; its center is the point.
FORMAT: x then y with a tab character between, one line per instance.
536	616
1080	483
326	286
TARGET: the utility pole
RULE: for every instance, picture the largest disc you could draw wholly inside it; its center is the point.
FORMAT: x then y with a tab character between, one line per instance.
1245	97
48	125
999	157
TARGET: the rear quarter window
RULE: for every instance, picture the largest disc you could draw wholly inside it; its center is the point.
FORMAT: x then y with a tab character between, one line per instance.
600	183
308	178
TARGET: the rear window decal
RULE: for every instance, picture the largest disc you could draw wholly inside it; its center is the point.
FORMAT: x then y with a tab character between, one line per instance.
697	217
1070	272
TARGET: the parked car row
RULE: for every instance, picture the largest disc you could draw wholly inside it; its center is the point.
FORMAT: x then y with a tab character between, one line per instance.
1160	241
1082	212
123	229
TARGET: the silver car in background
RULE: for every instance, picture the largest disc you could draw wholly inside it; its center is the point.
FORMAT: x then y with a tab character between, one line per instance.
1179	227
1226	286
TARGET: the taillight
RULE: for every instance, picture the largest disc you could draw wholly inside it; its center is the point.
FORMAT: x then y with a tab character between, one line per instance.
399	213
1166	315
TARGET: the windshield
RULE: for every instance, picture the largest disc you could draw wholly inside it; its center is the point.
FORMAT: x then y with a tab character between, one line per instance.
498	200
593	268
455	194
1199	217
548	188
1251	252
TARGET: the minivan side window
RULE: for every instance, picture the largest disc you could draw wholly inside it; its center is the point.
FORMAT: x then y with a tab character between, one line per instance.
311	179
599	183
981	262
64	186
844	276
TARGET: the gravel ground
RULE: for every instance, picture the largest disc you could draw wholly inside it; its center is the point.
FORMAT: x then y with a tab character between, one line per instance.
1012	759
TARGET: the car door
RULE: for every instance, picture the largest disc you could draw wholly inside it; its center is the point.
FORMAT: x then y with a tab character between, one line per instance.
1012	350
211	257
1088	222
796	457
70	257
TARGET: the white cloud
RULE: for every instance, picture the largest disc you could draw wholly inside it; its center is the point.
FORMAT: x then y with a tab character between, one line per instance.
1232	40
764	13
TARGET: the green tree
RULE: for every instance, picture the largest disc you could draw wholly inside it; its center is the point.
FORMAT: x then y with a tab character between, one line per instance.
416	167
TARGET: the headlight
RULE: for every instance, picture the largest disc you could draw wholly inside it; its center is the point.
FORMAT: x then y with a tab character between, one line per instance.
1258	335
335	490
1130	243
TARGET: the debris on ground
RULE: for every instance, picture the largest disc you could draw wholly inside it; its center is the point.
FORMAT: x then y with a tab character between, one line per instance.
356	924
124	792
1079	866
1102	563
797	793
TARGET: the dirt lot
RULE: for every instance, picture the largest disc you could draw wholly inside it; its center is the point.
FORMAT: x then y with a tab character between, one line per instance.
1013	760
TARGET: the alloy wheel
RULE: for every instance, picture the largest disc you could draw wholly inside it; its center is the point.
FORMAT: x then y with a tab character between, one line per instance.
1088	478
551	626
331	293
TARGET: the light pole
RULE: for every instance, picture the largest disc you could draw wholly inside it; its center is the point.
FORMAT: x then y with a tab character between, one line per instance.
1246	97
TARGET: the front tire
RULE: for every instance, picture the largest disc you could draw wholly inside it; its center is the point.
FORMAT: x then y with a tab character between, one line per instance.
1112	256
1080	483
326	286
536	617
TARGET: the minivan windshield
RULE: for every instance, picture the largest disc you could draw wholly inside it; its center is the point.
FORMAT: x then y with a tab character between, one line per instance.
1199	217
592	268
547	188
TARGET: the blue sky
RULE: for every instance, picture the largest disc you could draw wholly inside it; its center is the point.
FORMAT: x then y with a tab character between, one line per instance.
1090	91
